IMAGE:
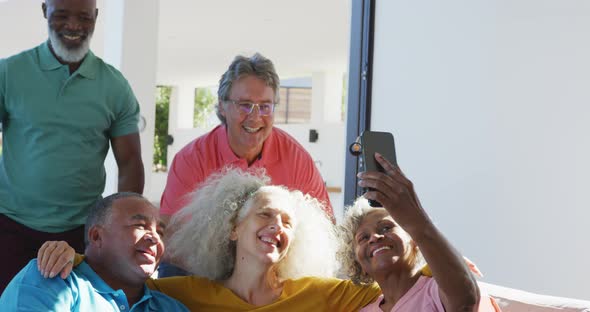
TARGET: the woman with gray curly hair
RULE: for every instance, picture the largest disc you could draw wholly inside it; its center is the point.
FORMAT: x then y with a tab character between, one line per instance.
204	242
255	247
389	245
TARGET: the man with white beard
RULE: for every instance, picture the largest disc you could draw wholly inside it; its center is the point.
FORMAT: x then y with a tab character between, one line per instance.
60	107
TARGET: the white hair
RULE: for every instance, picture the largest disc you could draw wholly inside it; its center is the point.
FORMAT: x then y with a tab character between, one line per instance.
201	235
313	249
66	54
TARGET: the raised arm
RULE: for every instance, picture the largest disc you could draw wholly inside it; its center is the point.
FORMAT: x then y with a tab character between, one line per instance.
457	286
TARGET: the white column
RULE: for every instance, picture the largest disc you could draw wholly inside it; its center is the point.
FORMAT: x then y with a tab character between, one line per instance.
326	97
182	108
130	44
180	116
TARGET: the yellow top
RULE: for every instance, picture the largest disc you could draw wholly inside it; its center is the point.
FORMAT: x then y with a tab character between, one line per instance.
304	294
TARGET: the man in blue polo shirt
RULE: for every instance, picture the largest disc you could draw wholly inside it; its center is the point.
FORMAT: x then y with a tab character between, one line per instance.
60	107
123	248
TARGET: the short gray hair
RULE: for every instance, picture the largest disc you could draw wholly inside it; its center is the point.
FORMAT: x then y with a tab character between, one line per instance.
256	65
201	236
100	213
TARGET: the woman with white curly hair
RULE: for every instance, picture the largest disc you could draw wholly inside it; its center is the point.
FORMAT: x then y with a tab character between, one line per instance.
256	247
388	245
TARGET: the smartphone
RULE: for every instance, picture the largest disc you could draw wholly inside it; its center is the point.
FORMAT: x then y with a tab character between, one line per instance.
376	142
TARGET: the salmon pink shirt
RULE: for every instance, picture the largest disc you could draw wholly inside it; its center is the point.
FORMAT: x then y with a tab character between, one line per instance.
286	162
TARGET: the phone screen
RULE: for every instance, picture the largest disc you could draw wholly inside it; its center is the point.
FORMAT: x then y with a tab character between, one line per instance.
376	142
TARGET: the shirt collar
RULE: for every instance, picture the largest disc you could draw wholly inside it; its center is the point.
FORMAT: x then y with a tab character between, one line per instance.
270	149
147	295
88	67
227	155
97	282
101	286
48	61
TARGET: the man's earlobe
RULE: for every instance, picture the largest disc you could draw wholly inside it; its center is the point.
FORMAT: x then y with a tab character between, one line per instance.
95	236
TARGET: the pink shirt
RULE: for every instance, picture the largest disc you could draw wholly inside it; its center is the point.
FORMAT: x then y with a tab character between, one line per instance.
423	296
285	160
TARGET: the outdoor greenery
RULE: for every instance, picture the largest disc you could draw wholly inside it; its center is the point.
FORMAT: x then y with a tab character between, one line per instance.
204	105
161	128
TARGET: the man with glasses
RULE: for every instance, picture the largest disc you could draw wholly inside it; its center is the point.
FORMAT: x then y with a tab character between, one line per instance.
248	93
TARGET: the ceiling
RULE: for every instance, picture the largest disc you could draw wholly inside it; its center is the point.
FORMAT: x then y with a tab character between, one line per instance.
198	39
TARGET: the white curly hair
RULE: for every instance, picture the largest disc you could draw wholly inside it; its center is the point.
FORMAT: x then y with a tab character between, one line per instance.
201	240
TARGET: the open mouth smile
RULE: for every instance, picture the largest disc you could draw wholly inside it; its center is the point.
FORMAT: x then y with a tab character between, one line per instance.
271	241
251	129
380	249
69	37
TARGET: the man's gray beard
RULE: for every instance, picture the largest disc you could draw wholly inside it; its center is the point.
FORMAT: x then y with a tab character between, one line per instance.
69	55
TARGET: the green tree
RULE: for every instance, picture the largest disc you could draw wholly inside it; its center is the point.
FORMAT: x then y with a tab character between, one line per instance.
161	129
204	105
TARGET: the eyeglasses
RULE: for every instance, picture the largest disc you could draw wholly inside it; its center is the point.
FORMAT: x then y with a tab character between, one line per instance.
264	109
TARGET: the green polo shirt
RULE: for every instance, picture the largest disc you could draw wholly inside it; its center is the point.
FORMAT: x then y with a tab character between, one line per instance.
57	129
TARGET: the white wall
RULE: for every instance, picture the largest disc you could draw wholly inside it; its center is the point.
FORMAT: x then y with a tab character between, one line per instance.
130	45
328	154
489	104
23	27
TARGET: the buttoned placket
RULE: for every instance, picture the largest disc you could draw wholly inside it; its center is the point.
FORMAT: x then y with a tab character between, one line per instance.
67	79
120	300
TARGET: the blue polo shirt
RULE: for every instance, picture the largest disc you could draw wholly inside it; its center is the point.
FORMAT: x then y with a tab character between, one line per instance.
56	133
82	290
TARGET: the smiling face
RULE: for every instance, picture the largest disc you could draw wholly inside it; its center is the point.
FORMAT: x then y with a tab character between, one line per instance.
71	25
131	241
381	245
247	132
264	234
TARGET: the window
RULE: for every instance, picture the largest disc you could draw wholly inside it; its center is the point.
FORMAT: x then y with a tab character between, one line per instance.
294	106
204	111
